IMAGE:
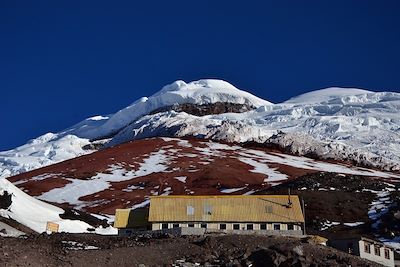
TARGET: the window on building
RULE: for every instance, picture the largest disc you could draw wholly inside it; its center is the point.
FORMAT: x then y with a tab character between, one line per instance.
377	250
236	226
277	226
387	253
207	209
175	225
203	225
222	226
164	226
191	225
249	226
367	248
263	226
189	210
290	226
268	209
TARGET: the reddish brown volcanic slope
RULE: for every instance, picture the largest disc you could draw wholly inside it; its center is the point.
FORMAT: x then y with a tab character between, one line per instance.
126	175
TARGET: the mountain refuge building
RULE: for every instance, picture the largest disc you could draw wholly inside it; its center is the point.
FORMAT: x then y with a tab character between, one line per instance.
197	215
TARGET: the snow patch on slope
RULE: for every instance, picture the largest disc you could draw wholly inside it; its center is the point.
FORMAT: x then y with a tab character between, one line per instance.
35	214
77	188
273	176
303	144
308	164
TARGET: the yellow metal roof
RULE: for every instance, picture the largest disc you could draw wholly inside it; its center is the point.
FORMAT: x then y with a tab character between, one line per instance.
121	218
127	218
232	208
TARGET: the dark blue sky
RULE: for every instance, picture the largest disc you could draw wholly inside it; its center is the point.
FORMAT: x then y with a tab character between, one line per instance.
62	61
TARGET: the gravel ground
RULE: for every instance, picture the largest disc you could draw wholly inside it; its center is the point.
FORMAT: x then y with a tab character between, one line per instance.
230	250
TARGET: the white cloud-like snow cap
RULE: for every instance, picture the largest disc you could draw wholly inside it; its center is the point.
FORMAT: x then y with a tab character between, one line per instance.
197	92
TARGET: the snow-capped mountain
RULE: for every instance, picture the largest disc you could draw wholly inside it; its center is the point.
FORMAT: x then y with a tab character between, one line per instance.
338	123
197	92
55	147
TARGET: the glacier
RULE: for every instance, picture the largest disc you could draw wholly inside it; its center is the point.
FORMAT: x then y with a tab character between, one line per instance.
339	123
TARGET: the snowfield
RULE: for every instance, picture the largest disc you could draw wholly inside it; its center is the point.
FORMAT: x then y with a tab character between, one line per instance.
155	163
335	123
164	161
35	214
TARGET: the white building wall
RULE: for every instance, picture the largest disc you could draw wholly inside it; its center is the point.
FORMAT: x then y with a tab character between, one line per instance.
229	226
376	258
155	226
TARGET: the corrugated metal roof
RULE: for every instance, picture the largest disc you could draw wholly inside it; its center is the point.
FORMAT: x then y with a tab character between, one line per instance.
255	208
121	218
128	218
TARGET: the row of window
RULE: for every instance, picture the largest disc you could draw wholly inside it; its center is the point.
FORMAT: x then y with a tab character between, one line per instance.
235	226
377	250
